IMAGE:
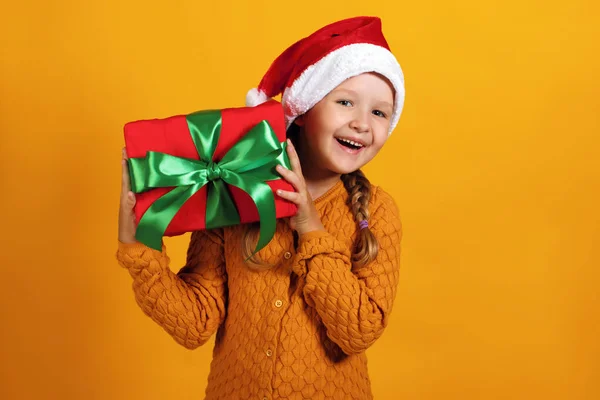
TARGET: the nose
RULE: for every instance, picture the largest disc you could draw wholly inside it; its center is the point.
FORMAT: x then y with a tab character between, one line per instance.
360	122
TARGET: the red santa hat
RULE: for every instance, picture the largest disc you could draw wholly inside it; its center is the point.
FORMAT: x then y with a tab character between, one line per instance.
312	67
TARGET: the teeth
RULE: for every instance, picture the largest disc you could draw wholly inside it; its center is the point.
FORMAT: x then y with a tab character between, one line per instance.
351	142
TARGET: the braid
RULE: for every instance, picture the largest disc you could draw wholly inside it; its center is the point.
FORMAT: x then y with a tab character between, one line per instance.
366	246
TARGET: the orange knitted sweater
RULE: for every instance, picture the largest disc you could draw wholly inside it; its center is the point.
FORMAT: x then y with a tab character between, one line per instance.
296	331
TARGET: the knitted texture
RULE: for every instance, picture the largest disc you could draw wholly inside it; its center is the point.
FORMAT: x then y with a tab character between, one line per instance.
296	331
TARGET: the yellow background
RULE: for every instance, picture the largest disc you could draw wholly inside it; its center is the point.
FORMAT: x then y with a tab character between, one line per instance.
494	165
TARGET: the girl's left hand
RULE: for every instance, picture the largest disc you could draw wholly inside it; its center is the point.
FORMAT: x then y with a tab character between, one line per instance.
307	218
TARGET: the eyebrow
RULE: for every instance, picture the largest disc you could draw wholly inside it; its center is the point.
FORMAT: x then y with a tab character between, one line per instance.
379	102
385	104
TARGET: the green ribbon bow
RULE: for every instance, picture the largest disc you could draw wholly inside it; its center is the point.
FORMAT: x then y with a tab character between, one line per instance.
247	165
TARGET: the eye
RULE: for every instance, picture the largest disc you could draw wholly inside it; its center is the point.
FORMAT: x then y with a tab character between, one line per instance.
380	114
345	103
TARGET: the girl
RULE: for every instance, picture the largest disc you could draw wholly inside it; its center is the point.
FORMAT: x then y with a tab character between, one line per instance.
294	322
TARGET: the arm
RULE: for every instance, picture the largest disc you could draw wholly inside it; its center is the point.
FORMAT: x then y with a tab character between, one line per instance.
189	305
354	306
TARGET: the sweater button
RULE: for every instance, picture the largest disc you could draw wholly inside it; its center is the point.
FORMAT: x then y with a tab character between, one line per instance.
287	255
278	303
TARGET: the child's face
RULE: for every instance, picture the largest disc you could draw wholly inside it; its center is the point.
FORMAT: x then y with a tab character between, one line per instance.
358	110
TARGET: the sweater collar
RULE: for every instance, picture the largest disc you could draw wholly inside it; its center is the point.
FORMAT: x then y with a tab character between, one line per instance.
333	192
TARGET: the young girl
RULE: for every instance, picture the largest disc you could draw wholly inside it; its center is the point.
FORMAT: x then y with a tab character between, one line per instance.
294	322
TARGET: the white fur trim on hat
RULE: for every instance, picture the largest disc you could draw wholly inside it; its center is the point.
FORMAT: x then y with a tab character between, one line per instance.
326	74
255	97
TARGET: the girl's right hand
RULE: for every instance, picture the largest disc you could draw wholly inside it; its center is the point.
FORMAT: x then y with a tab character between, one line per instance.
127	225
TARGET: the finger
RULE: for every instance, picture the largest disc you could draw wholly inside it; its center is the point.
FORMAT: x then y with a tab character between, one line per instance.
131	198
124	152
291	196
123	173
130	203
294	159
291	177
126	185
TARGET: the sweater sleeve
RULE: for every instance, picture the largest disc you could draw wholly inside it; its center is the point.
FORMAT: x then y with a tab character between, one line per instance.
190	304
354	305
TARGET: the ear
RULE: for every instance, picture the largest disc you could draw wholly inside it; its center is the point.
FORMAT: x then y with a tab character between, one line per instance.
299	120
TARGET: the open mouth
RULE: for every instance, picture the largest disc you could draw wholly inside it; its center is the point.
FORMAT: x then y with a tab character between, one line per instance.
350	144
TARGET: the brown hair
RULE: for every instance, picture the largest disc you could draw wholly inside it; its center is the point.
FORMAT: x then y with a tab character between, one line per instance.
365	247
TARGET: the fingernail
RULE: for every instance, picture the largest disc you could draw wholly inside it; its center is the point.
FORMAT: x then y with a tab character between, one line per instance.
289	142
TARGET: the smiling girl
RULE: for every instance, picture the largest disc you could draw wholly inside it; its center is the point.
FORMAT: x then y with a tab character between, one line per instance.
295	320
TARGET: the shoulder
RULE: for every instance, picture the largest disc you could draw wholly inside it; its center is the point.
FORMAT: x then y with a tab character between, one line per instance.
382	201
384	211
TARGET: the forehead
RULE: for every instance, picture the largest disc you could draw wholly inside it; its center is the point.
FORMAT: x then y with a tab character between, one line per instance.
369	83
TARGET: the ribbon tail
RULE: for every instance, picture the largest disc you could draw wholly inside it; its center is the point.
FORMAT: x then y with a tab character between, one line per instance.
263	198
262	194
157	218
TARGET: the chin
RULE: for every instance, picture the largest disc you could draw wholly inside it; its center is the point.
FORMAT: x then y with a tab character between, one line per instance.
345	168
348	165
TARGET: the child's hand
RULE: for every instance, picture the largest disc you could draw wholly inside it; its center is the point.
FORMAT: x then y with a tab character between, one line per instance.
127	224
307	218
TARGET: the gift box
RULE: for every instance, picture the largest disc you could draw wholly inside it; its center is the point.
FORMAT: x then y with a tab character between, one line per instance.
208	169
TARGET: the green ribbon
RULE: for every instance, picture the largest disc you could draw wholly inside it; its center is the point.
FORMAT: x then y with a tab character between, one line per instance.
247	165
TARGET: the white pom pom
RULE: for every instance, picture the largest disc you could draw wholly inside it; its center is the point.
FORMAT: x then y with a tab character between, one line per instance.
255	97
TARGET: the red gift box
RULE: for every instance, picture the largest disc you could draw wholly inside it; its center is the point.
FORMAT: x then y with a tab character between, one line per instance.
172	136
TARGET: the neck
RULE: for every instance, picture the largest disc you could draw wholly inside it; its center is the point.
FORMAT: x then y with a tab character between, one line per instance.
318	187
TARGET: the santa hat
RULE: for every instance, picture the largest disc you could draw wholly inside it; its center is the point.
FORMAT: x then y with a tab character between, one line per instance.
312	67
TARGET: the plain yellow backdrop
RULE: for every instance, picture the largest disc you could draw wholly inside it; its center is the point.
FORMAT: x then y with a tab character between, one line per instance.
495	166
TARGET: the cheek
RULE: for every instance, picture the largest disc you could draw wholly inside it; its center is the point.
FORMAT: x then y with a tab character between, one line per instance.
313	139
325	118
317	123
379	141
322	143
318	135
